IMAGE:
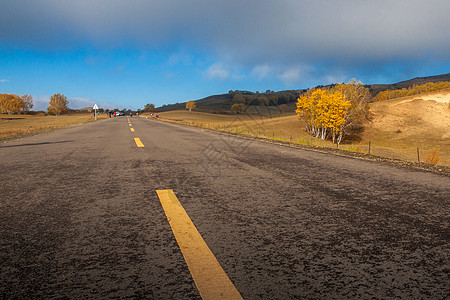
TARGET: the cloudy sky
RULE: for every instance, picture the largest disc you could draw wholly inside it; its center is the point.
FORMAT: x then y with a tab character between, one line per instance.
132	52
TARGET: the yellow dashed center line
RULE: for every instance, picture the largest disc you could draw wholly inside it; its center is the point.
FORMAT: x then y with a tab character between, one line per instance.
129	124
138	142
132	129
211	280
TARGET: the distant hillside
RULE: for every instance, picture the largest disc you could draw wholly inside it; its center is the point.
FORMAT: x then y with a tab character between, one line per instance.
211	103
222	103
376	88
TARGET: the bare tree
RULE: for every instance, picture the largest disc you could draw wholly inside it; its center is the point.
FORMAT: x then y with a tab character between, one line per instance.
27	103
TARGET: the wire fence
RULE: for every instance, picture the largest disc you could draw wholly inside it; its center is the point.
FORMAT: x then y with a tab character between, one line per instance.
259	124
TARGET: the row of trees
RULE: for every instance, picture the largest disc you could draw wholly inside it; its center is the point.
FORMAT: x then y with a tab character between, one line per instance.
335	112
150	108
268	98
412	90
15	104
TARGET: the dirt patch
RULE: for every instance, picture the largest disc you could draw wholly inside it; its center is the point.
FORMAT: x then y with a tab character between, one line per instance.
412	116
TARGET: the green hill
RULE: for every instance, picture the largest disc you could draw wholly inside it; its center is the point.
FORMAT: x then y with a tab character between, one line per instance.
215	103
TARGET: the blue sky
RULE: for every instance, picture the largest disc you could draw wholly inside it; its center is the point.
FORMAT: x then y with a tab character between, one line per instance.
128	53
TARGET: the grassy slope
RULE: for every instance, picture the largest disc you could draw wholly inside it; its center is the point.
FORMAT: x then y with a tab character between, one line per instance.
211	103
406	124
376	88
397	127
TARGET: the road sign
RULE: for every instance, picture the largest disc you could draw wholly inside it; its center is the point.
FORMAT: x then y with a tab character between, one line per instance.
95	110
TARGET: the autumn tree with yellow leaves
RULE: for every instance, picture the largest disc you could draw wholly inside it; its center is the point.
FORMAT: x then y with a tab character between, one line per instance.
15	104
334	113
238	107
358	112
191	105
58	104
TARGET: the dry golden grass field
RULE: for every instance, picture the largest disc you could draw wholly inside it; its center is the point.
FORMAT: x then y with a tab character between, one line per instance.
405	124
12	126
397	127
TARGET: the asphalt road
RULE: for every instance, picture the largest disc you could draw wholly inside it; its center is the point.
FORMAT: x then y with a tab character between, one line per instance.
80	218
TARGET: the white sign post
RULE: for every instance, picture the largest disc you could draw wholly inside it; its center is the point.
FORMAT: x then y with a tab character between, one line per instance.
95	110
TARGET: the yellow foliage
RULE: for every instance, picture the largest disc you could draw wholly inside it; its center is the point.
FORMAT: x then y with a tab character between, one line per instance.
359	97
238	107
324	112
58	104
11	103
331	113
191	105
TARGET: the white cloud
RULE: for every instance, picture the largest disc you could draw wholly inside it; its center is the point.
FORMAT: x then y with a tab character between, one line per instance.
81	102
220	71
40	103
291	75
287	75
4	80
237	75
262	71
335	78
217	71
181	57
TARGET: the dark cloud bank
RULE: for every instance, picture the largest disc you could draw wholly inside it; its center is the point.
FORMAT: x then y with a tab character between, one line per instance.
313	37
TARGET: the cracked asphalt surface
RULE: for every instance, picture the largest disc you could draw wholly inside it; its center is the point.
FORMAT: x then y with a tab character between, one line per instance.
79	217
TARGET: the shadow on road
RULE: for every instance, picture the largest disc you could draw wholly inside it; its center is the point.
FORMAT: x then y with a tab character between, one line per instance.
35	144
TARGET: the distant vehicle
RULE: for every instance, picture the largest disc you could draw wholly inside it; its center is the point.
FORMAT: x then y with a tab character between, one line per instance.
121	113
